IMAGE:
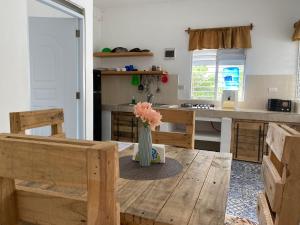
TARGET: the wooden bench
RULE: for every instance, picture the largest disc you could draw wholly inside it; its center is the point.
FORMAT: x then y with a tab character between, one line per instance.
22	121
280	204
185	139
70	167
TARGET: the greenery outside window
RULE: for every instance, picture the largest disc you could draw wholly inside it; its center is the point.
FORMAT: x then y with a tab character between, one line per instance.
216	70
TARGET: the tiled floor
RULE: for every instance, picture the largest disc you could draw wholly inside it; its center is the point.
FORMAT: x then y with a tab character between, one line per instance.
246	182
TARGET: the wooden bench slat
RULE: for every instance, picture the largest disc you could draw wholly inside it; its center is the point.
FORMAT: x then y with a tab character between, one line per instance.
276	139
183	139
39	208
173	115
263	211
273	184
52	190
172	138
22	121
63	164
39	118
77	142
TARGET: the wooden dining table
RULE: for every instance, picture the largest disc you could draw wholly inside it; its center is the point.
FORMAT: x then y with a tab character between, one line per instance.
195	196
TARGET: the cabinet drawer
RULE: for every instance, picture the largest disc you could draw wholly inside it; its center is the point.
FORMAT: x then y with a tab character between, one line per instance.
273	184
263	212
248	125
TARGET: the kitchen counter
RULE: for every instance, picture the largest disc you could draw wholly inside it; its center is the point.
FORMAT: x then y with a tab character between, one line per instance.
245	114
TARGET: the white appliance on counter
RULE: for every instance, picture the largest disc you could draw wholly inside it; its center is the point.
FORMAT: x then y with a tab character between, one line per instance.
229	99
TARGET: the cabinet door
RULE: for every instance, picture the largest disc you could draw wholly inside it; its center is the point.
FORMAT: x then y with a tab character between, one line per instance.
124	127
248	141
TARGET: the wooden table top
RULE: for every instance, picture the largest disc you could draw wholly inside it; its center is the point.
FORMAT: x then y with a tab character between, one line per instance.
196	196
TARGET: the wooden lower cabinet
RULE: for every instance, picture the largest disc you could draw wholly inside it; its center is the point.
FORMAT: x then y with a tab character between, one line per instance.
248	140
124	127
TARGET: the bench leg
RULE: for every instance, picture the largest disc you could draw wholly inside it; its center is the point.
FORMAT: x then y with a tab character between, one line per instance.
103	169
8	209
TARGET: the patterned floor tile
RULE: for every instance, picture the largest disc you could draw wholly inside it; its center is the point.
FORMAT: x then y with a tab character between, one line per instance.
246	182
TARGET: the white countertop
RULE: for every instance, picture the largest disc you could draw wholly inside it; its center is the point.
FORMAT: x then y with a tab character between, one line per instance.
250	114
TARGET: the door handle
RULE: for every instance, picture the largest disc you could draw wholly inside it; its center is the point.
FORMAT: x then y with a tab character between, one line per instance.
77	95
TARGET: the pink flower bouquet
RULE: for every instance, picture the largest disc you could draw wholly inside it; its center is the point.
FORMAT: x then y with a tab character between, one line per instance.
148	116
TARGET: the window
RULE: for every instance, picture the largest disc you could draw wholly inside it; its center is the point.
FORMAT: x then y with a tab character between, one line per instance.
216	70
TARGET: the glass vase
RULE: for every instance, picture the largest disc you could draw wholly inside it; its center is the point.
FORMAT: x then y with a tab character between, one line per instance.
145	146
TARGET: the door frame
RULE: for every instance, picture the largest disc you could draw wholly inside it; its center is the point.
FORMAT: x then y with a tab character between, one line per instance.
81	116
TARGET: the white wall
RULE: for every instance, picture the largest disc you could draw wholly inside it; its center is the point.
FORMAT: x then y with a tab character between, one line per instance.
98	18
161	25
14	61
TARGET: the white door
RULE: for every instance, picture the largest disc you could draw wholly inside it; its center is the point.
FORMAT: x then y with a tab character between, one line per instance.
54	57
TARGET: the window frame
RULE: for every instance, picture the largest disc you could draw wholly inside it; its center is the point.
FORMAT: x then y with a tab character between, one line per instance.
216	80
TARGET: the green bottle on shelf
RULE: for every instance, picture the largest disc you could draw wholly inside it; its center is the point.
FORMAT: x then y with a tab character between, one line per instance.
133	100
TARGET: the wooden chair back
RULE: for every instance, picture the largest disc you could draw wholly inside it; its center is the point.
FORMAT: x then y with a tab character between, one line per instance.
76	165
279	204
21	121
183	139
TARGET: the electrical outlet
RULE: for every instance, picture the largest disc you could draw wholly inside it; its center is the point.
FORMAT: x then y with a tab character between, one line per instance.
273	89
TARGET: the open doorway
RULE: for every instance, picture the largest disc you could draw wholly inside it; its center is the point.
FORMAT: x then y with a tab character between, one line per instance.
56	63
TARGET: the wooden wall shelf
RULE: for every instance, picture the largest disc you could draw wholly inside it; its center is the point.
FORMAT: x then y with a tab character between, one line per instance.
122	54
129	73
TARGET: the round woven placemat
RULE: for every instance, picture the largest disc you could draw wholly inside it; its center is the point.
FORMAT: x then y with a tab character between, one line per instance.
132	170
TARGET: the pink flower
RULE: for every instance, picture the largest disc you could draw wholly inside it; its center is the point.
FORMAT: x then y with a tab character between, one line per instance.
149	116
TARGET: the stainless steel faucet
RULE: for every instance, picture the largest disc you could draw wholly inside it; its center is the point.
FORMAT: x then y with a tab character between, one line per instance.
150	98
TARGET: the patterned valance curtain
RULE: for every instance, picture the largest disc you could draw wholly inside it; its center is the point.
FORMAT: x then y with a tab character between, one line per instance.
296	36
220	38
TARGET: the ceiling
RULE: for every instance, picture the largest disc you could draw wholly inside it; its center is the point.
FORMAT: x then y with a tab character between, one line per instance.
102	4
